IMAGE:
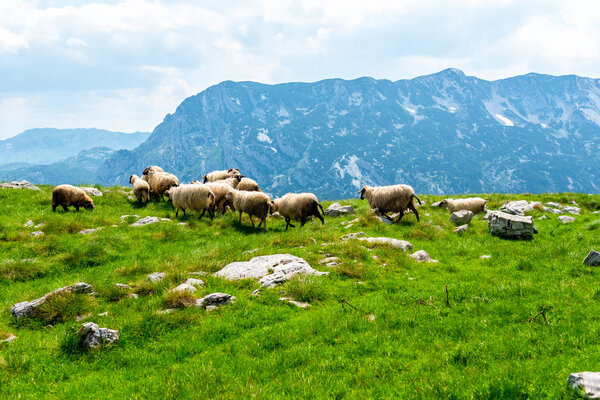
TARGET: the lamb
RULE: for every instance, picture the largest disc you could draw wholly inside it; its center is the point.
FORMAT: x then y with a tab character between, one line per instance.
220	175
141	188
255	204
395	198
298	207
67	195
196	197
473	204
160	182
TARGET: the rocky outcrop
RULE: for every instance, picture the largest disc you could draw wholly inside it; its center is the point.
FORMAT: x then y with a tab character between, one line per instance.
461	217
586	384
156	277
19	185
518	207
422	256
145	221
397	243
337	209
92	191
565	219
592	259
510	226
91	336
27	308
215	300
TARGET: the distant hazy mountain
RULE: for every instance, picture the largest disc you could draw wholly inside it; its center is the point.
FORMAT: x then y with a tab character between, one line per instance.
73	170
46	146
441	133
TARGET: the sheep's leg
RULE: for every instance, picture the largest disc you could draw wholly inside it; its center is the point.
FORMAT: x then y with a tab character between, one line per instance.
412	207
177	213
251	220
183	212
317	214
76	208
399	216
202	215
65	208
302	222
240	217
53	207
211	212
265	223
387	216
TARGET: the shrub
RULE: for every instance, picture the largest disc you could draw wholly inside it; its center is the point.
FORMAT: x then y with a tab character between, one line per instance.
306	288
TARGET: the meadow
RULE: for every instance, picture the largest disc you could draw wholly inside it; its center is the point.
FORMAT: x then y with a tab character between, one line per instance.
379	326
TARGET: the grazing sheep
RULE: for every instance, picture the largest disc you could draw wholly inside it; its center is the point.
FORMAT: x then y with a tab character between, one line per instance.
298	207
160	182
141	188
197	197
220	175
473	204
67	195
220	190
395	198
152	168
255	204
248	185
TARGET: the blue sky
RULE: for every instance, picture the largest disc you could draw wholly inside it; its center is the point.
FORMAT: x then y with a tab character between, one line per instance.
123	65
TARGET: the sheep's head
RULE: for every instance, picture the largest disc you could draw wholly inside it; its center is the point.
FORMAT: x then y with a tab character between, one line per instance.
365	192
272	207
130	178
233	171
443	203
146	170
88	204
238	177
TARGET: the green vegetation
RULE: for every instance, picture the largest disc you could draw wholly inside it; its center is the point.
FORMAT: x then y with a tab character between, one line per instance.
517	325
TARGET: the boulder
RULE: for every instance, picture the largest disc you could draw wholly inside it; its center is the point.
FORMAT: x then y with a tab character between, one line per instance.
36	233
270	270
336	209
214	300
19	185
422	256
461	217
553	205
552	210
156	277
572	210
92	191
92	337
461	229
585	384
592	259
291	301
145	221
184	287
330	261
26	308
510	226
566	219
518	207
194	282
397	243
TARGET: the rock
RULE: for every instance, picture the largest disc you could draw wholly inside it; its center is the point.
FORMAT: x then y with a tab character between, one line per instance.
123	286
92	337
422	256
92	191
385	220
156	277
215	300
543	217
198	273
485	257
276	215
194	282
250	251
126	216
255	293
349	222
336	209
354	235
184	287
133	295
461	229
572	210
271	270
165	219
28	224
36	233
131	198
461	217
330	261
397	243
552	210
25	308
596	212
181	223
566	219
145	221
19	185
40	225
585	384
553	205
294	302
88	231
519	207
84	316
592	259
11	338
510	226
103	314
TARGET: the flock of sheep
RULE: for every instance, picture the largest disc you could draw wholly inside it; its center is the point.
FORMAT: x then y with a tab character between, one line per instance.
228	189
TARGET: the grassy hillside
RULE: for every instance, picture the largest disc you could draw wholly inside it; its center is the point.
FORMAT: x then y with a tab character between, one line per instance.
487	344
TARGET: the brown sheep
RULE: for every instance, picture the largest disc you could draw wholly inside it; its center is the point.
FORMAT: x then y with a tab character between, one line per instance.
67	195
395	198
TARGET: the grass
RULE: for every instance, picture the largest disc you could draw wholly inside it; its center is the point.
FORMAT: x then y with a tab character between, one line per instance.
393	337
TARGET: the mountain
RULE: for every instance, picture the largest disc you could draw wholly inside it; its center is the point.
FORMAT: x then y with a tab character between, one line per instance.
73	170
47	145
441	133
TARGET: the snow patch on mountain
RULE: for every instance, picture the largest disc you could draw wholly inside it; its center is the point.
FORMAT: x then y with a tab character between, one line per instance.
355	99
283	113
262	136
503	120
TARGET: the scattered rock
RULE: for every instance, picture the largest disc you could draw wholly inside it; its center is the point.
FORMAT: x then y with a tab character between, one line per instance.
28	224
385	220
354	235
553	205
133	215
195	282
165	219
255	292
572	210
349	223
510	226
371	317
88	231
585	384
198	273
592	259
543	217
276	215
145	221
131	198
92	191
566	219
11	338
103	314
167	311
123	286
26	308
92	336
272	270
181	223
461	217
461	229
519	207
552	210
156	277
485	257
330	261
294	302
422	256
215	300
336	209
397	243
19	185
133	295
184	287
40	225
36	233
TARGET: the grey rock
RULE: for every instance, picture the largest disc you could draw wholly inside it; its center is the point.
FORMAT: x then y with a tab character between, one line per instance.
592	259
461	217
397	243
518	207
103	314
337	209
255	293
184	287
92	191
422	256
270	270
11	338
156	277
92	336
354	235
299	304
198	273
123	286
145	221
552	210
165	219
543	217
195	282
330	261
133	295
553	205
585	384
40	225
28	224
345	223
36	233
461	229
215	300
88	231
25	308
572	210
385	220
566	219
485	257
510	226
276	215
19	185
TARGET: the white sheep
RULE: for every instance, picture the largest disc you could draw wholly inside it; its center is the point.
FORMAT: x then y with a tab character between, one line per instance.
160	182
220	175
248	185
298	207
395	198
68	195
141	188
473	204
255	204
220	190
197	197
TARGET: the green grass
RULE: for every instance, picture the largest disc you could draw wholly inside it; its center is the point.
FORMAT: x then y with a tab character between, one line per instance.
398	339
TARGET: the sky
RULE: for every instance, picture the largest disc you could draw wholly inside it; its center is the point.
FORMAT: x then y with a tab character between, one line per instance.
123	65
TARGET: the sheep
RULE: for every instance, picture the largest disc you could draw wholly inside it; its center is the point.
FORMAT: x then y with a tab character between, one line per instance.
395	198
152	168
220	175
67	195
473	204
141	188
248	185
160	182
255	204
220	190
197	197
298	207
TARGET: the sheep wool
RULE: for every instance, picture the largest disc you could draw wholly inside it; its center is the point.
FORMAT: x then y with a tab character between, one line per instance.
395	198
473	204
298	207
220	190
196	197
255	204
141	188
220	175
160	182
248	185
67	195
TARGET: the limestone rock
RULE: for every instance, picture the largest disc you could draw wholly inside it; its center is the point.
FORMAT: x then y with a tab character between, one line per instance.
566	219
572	210
347	224
123	286
330	261
92	337
145	221
11	338
156	277
19	185
354	235
553	205
270	270
518	207
36	233
214	300
133	215
299	304
92	191
592	259
422	256
485	257
336	209
88	231
28	224
552	210
26	308
184	287
510	226
397	243
461	217
543	217
194	282
461	229
585	383
198	273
